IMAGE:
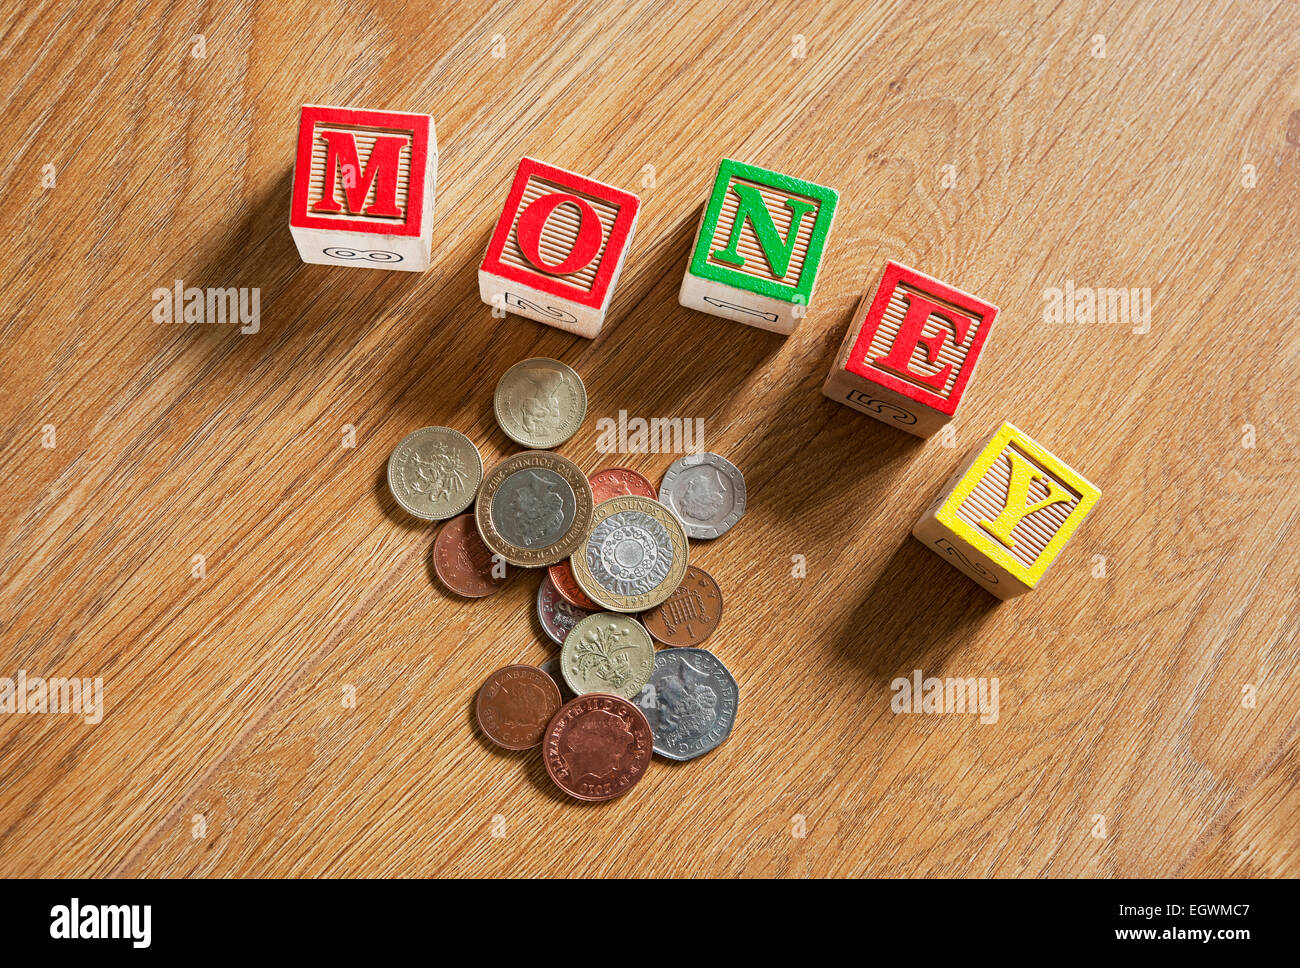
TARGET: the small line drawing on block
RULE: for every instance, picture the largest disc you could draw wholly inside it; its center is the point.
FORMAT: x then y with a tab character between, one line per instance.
528	306
880	408
944	545
371	255
723	304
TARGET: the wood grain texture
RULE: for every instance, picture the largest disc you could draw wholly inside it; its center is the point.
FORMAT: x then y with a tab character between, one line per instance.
1120	696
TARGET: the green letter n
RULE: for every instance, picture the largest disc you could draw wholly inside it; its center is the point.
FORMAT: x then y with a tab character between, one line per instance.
751	207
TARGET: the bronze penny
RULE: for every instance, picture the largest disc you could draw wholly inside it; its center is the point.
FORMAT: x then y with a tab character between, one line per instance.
597	747
463	562
515	705
690	613
619	481
561	576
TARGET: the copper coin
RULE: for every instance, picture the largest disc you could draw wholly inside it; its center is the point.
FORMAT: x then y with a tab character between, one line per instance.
690	613
515	704
597	747
463	562
561	576
618	481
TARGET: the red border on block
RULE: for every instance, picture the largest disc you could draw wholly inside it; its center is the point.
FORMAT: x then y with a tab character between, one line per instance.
416	124
627	208
894	274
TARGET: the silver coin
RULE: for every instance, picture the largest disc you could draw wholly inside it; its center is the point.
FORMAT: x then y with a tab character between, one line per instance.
540	403
706	491
691	702
556	615
533	507
434	473
552	668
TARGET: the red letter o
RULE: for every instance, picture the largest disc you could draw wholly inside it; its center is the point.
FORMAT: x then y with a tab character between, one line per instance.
528	231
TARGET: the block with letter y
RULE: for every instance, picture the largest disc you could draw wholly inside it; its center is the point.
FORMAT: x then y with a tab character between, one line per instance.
910	351
758	247
363	188
1005	516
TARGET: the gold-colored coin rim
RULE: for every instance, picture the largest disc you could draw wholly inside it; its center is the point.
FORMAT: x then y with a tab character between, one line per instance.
515	554
545	443
566	650
459	508
633	603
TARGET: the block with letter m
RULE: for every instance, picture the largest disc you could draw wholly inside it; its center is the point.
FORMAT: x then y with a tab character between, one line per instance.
910	351
1006	514
363	188
558	248
758	247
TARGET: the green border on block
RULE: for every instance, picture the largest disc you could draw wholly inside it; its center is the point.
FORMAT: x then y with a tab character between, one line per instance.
826	199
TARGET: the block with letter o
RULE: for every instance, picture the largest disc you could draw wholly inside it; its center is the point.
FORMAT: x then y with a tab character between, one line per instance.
558	248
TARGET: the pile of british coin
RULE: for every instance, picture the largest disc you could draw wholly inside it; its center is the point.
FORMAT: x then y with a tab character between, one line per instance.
615	578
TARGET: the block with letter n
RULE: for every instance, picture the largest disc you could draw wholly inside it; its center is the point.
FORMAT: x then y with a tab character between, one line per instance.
558	248
1004	517
759	245
910	351
363	188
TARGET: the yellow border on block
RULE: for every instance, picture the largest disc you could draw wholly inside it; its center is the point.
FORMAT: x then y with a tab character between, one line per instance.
985	544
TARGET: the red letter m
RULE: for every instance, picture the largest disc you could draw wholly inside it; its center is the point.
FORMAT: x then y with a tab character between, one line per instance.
381	171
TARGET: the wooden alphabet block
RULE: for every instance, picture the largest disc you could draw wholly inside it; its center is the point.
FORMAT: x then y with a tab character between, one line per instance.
758	247
558	248
910	351
1006	514
363	187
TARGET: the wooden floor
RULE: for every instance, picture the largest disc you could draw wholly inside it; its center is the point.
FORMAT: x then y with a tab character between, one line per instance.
1093	144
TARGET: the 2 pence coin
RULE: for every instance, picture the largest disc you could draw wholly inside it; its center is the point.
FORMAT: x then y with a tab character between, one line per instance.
619	481
597	747
463	562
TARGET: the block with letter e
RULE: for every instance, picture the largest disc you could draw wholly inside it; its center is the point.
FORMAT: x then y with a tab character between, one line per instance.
1005	516
910	351
363	187
558	248
758	247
